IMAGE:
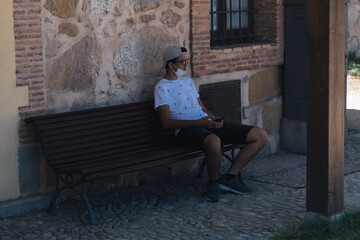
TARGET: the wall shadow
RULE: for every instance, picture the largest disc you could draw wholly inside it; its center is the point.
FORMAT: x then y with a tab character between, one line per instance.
353	117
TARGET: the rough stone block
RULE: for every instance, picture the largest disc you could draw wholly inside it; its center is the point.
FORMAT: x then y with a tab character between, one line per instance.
266	114
69	29
61	8
265	84
271	116
29	170
293	136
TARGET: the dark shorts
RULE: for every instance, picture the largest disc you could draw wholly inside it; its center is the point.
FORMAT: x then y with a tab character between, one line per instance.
229	133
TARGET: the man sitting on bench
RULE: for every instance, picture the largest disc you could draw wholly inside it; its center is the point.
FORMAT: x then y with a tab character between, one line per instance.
180	108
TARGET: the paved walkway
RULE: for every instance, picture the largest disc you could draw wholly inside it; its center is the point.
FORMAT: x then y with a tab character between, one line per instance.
177	210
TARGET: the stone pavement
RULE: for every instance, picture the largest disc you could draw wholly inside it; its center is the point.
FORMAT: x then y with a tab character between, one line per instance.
176	209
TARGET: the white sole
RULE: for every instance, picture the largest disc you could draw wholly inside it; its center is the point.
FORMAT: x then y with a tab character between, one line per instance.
228	189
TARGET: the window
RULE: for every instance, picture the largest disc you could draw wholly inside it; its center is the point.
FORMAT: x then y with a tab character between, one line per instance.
231	22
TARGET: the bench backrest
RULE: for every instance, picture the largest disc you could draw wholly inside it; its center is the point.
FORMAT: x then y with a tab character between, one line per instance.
101	132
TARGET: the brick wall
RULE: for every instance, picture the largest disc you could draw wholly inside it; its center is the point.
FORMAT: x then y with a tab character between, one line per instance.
268	27
29	58
265	20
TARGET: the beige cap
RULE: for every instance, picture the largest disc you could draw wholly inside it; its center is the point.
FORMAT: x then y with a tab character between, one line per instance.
172	52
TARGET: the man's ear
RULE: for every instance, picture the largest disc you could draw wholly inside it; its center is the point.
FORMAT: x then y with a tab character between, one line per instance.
171	65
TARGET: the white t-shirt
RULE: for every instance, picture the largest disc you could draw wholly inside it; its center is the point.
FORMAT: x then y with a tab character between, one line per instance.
182	98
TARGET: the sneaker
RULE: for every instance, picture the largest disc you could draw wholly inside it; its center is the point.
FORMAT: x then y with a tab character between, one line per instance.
212	192
234	186
243	182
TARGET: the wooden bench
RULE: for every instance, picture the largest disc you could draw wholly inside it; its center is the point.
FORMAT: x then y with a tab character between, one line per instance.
87	145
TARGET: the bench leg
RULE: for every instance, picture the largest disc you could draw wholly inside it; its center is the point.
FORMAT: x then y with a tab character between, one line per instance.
231	159
203	162
52	205
201	168
92	217
68	183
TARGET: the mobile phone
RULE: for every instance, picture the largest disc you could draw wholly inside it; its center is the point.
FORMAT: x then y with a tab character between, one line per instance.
218	119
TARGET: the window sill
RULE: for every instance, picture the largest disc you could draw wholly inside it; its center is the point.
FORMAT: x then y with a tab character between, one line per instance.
245	45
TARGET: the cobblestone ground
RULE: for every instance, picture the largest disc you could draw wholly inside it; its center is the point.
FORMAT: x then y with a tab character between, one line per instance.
176	209
173	210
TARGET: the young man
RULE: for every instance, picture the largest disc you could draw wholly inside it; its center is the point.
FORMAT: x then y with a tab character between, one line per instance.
180	108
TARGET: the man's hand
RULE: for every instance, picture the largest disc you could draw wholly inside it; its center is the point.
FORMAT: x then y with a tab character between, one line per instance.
209	122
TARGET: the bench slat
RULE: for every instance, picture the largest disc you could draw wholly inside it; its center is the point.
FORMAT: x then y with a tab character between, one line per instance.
127	169
118	156
88	113
52	147
103	149
125	129
132	159
160	158
100	120
148	154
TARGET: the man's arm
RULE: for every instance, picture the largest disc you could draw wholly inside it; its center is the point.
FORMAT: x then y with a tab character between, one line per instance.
210	114
173	123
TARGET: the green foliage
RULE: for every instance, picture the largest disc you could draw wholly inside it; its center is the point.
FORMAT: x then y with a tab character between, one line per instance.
353	64
348	227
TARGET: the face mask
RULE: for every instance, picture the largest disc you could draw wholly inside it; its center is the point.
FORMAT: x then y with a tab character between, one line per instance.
179	72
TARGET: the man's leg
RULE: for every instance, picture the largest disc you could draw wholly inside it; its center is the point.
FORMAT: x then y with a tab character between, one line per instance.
232	181
212	147
255	141
209	142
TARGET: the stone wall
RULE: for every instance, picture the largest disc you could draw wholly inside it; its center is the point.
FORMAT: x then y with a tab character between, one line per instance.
107	52
76	54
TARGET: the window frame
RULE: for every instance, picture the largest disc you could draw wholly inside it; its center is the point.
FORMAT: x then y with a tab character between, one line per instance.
222	32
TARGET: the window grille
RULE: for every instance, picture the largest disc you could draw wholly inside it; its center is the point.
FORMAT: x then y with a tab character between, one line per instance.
231	22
